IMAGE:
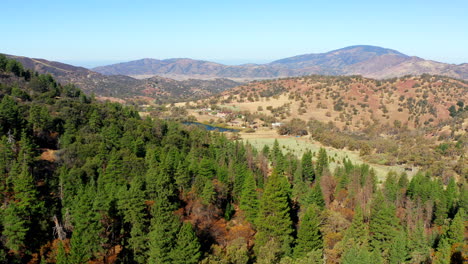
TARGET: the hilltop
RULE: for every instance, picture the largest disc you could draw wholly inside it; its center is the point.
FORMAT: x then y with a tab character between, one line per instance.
369	61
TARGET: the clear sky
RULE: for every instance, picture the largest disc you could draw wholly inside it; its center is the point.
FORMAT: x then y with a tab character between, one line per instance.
93	32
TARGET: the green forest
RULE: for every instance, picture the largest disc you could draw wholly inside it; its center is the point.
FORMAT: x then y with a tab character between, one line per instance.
84	181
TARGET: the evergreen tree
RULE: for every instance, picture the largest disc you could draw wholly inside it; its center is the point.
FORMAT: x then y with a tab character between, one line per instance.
277	157
132	204
315	196
164	227
418	244
322	162
391	188
456	231
249	198
357	254
399	251
87	227
274	219
15	228
358	233
164	224
307	167
384	225
309	237
451	195
187	248
443	254
208	195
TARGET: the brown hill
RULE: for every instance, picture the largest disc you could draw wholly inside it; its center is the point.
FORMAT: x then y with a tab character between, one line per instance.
369	61
351	103
121	86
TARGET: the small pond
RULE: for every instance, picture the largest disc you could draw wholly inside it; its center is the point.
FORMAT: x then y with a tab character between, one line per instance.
211	128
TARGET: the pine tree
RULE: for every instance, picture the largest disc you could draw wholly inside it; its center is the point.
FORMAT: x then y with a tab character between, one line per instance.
132	204
357	254
15	228
315	196
322	162
451	194
443	253
277	157
391	189
208	194
307	167
418	244
456	231
164	227
399	251
164	224
309	237
187	248
274	219
249	198
87	226
384	225
358	233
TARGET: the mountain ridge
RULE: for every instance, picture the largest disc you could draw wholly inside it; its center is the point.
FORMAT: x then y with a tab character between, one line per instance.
365	60
121	86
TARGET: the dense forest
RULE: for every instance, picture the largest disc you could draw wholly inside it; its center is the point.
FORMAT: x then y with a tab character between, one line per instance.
84	181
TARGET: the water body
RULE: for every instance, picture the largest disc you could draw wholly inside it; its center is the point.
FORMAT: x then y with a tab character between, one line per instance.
211	128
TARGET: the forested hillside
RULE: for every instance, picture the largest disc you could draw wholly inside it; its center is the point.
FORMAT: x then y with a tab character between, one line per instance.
90	182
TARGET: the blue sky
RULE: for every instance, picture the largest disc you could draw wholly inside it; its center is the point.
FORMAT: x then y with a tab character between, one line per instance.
93	32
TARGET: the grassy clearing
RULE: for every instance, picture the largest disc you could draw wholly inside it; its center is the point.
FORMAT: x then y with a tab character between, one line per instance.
300	145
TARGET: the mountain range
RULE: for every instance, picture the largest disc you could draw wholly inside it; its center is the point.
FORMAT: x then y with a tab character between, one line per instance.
368	61
183	79
121	86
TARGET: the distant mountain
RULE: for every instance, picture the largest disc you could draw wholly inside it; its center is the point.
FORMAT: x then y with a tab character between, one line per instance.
188	68
122	86
369	61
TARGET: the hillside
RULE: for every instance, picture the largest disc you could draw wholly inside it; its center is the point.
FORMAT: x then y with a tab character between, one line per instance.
351	103
369	61
125	87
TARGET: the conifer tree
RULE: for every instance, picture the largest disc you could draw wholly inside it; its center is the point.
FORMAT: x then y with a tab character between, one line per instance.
384	225
443	254
418	244
132	204
307	167
274	219
276	156
187	248
451	194
315	196
249	198
358	233
357	254
15	228
208	195
399	252
456	231
322	162
87	227
164	224
309	237
164	227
